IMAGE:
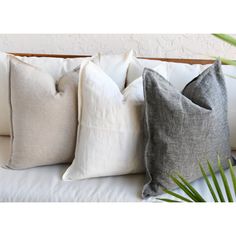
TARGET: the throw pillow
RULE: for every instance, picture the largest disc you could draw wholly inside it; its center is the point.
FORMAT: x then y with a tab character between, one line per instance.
182	129
109	140
43	116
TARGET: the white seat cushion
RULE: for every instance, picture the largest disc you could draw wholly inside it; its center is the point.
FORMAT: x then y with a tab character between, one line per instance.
45	184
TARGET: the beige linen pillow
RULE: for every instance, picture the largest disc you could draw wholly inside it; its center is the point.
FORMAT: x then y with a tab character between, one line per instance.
43	116
4	150
56	67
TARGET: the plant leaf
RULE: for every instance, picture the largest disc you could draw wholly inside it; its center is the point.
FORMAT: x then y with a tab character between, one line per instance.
215	182
225	182
227	38
232	176
227	61
177	195
185	189
167	200
208	183
192	189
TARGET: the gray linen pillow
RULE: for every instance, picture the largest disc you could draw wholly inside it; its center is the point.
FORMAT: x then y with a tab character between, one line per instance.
43	116
182	129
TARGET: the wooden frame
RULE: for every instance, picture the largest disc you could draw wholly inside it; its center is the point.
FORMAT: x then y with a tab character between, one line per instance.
177	60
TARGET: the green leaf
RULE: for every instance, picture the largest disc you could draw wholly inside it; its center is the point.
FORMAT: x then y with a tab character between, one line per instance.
225	182
232	176
208	183
167	200
176	195
185	189
215	182
192	189
227	38
227	61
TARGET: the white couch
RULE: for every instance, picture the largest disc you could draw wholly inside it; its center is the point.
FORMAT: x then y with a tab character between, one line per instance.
46	184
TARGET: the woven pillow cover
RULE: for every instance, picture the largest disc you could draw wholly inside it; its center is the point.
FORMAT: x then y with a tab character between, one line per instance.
182	129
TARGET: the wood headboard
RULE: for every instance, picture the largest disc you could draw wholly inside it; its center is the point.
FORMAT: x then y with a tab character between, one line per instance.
178	60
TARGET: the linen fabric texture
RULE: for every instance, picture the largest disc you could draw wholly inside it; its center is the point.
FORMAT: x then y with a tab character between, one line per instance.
183	129
43	116
109	138
56	67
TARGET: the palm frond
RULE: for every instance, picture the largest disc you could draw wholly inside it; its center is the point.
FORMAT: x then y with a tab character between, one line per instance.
217	186
227	38
232	176
194	195
192	189
225	182
230	40
185	189
208	183
227	61
176	195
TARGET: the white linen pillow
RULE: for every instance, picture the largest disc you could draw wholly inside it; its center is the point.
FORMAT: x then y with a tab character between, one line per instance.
109	140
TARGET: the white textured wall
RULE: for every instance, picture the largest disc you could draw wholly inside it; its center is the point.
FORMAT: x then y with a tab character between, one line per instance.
150	45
